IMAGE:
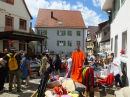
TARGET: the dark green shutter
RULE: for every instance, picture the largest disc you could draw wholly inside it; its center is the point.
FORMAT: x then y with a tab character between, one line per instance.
110	18
68	43
45	32
38	42
77	43
68	33
114	10
57	43
45	42
57	32
118	6
64	43
77	33
122	1
64	33
38	33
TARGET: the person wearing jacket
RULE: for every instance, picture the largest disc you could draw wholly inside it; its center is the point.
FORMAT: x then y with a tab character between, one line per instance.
57	64
43	65
24	68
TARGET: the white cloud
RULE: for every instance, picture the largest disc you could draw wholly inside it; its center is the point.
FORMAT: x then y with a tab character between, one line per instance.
96	3
33	29
90	17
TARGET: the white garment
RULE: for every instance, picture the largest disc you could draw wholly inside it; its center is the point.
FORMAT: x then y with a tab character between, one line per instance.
93	58
115	69
69	62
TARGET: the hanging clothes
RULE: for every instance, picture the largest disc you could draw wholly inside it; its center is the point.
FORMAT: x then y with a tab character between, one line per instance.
83	73
78	58
89	78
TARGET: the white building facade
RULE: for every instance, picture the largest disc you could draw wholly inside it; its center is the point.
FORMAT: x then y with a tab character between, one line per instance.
119	16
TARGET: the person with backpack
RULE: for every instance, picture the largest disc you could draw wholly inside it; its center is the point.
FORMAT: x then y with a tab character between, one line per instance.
13	60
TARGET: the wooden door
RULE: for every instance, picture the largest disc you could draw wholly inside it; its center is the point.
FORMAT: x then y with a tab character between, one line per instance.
9	23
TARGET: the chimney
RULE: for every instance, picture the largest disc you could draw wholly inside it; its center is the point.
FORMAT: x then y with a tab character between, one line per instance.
51	14
30	26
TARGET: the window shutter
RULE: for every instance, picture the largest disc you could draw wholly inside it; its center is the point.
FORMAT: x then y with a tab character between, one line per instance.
57	43
113	14
118	4
122	1
38	32
64	43
68	43
77	33
110	18
77	43
45	42
45	32
38	42
64	33
68	33
57	32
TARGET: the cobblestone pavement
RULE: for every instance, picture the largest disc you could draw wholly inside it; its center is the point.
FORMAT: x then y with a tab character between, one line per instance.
27	91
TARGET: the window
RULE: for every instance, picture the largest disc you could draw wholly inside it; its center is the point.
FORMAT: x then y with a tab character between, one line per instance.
97	44
116	46
9	1
69	33
45	42
5	44
22	24
22	45
112	44
61	43
105	33
78	33
43	32
124	42
78	43
61	33
8	21
69	43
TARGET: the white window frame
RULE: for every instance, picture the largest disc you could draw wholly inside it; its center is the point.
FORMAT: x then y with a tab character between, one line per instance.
61	43
61	33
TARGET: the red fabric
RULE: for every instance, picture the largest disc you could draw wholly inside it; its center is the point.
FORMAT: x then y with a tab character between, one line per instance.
59	90
10	43
96	59
109	79
87	78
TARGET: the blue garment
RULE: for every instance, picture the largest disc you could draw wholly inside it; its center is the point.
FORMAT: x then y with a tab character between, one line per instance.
24	69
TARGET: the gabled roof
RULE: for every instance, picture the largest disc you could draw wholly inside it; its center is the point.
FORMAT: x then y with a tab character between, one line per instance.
27	9
92	32
106	38
61	19
101	25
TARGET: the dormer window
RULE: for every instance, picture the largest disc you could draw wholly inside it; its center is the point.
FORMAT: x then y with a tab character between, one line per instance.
9	1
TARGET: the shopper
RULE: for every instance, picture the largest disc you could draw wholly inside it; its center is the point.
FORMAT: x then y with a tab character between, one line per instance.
14	60
24	68
115	69
57	64
43	65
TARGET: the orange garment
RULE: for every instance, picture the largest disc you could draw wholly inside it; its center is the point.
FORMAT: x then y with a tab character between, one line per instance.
78	58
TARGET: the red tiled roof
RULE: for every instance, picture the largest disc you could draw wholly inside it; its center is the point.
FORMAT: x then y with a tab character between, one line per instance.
106	38
92	31
27	9
69	19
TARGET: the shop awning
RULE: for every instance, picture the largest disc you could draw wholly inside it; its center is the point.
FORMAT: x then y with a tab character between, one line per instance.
17	35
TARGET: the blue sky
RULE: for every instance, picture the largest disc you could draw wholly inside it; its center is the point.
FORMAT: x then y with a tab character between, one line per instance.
90	9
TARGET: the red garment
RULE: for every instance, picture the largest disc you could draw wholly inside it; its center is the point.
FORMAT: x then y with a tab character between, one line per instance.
78	58
96	59
109	79
89	70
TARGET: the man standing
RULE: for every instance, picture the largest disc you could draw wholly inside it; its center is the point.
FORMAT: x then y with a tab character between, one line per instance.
78	59
13	60
115	69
